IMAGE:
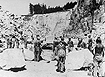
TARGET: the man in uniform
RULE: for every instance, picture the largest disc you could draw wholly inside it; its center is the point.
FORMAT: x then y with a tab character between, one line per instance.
10	41
25	41
62	44
17	43
81	44
55	43
13	41
37	48
90	42
61	49
98	57
70	45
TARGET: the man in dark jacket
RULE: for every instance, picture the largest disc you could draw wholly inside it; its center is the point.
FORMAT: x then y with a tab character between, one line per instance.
55	43
17	43
37	48
61	55
70	45
81	44
98	57
90	42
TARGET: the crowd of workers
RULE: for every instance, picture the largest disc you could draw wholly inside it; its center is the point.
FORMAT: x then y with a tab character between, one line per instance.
60	48
95	47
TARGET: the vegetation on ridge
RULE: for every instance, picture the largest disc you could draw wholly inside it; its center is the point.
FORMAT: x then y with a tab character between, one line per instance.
42	8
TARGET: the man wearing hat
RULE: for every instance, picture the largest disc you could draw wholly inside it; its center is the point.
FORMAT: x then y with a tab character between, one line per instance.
37	48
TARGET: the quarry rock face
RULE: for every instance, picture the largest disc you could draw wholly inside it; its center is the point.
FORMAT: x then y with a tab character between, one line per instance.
42	24
71	22
50	24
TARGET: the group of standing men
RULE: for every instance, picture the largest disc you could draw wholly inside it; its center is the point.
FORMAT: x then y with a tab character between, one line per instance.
96	48
59	49
12	42
9	41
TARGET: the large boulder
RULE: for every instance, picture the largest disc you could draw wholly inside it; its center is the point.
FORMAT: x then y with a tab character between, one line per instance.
78	59
11	58
28	55
47	55
75	41
103	67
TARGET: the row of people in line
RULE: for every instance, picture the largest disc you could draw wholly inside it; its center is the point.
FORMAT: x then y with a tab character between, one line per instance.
59	49
10	40
13	41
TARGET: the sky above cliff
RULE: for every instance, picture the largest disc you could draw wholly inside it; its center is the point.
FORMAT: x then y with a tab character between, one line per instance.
21	7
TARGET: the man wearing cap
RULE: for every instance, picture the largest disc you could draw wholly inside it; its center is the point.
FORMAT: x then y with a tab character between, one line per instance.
37	48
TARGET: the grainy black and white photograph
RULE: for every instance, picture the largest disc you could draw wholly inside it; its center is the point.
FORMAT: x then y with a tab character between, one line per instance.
52	38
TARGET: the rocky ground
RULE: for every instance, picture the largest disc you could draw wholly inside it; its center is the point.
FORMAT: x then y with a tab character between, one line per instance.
43	69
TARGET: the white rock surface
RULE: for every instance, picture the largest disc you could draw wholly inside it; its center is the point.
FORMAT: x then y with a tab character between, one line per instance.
11	58
28	55
76	59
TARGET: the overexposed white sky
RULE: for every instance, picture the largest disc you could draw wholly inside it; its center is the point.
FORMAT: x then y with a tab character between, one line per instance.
22	6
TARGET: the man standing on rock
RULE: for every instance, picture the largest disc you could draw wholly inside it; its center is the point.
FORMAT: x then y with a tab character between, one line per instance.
98	57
